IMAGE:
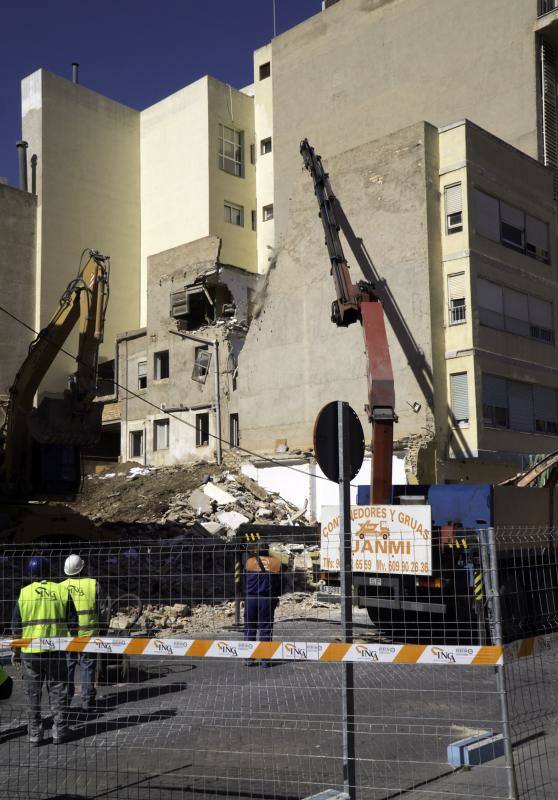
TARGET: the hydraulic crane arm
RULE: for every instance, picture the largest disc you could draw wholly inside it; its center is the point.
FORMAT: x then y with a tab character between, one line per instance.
359	302
71	420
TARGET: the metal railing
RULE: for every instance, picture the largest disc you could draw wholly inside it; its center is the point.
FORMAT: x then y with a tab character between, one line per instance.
546	6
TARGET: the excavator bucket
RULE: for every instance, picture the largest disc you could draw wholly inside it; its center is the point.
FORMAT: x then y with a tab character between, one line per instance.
57	421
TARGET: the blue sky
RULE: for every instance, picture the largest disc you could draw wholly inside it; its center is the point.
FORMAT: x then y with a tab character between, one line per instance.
135	51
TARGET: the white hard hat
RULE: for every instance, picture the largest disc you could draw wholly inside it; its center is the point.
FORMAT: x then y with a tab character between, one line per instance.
73	565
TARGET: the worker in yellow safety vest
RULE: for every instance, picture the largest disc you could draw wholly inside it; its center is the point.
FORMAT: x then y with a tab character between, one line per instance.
43	612
84	592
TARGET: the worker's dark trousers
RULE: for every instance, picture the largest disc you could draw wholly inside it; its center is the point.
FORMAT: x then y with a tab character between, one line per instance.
49	668
258	618
87	665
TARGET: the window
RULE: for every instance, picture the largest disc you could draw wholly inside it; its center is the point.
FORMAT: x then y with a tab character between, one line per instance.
201	364
267	212
265	70
495	402
202	430
454	208
161	434
234	214
496	220
231	151
519	406
142	375
459	390
265	146
234	431
252	154
136	444
513	311
456	298
254	220
161	365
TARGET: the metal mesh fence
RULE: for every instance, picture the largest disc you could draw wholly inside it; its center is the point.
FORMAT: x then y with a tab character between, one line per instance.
186	706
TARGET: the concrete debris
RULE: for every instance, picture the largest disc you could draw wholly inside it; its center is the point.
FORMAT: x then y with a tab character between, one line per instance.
221	497
214	528
232	519
200	502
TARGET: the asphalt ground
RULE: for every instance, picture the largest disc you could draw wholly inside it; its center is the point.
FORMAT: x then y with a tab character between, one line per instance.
214	728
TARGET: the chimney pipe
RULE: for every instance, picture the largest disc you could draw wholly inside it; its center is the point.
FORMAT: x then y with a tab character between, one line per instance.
22	157
34	173
75	68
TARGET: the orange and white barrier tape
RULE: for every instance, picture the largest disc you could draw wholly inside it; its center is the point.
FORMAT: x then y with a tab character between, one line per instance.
524	648
280	651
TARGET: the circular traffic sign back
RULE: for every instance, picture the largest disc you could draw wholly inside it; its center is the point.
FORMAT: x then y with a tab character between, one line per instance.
326	440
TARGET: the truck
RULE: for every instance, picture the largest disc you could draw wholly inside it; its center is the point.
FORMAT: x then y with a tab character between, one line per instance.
431	584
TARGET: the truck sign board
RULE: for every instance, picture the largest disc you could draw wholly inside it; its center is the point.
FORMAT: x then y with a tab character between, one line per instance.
385	539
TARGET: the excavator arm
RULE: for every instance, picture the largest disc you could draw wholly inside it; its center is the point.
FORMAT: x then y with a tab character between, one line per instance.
359	303
73	420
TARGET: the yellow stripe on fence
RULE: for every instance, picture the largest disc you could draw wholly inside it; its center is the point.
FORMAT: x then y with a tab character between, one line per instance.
450	655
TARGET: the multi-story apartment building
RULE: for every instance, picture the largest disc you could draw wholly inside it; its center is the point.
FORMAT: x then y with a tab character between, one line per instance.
469	295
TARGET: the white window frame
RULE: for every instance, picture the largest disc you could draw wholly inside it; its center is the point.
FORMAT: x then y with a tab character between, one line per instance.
267	212
140	435
231	150
460	422
160	425
453	204
199	441
266	146
158	361
142	373
234	215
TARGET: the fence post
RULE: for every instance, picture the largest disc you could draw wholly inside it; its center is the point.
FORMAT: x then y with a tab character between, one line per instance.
498	637
346	577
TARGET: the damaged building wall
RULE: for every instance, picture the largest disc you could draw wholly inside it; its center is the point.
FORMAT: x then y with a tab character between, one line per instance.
158	365
18	220
295	360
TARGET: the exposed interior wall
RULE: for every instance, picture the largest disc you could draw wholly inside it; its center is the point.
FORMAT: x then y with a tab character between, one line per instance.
295	360
174	174
363	68
88	188
234	109
18	218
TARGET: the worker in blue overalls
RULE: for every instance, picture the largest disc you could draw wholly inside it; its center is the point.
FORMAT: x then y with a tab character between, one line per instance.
262	589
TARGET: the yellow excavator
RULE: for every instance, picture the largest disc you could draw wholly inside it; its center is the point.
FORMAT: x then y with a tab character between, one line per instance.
40	447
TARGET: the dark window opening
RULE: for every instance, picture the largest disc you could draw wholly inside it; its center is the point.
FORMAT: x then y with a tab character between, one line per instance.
267	212
161	365
496	416
265	146
202	430
265	70
234	431
136	444
512	236
254	220
142	375
252	154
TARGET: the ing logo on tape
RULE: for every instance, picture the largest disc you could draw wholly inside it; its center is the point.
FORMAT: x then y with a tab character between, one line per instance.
101	645
295	651
227	649
442	655
364	652
163	647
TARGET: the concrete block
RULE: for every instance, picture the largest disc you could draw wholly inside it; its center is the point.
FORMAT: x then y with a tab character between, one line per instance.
200	502
214	528
221	497
456	755
232	519
484	750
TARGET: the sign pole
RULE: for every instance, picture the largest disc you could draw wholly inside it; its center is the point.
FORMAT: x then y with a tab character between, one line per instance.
345	570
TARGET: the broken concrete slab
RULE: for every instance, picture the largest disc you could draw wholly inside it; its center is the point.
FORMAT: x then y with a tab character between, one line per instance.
214	528
200	502
221	497
232	519
252	487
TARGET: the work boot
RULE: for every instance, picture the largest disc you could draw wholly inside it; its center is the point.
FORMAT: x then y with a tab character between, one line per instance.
35	736
61	737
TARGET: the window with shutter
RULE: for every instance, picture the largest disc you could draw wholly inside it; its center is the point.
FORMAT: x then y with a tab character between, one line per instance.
536	239
495	401
161	434
142	375
520	400
486	215
546	409
540	320
490	300
454	208
512	226
456	298
516	311
459	397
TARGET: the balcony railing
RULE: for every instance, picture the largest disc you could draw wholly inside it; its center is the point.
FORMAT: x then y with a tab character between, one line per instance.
546	6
